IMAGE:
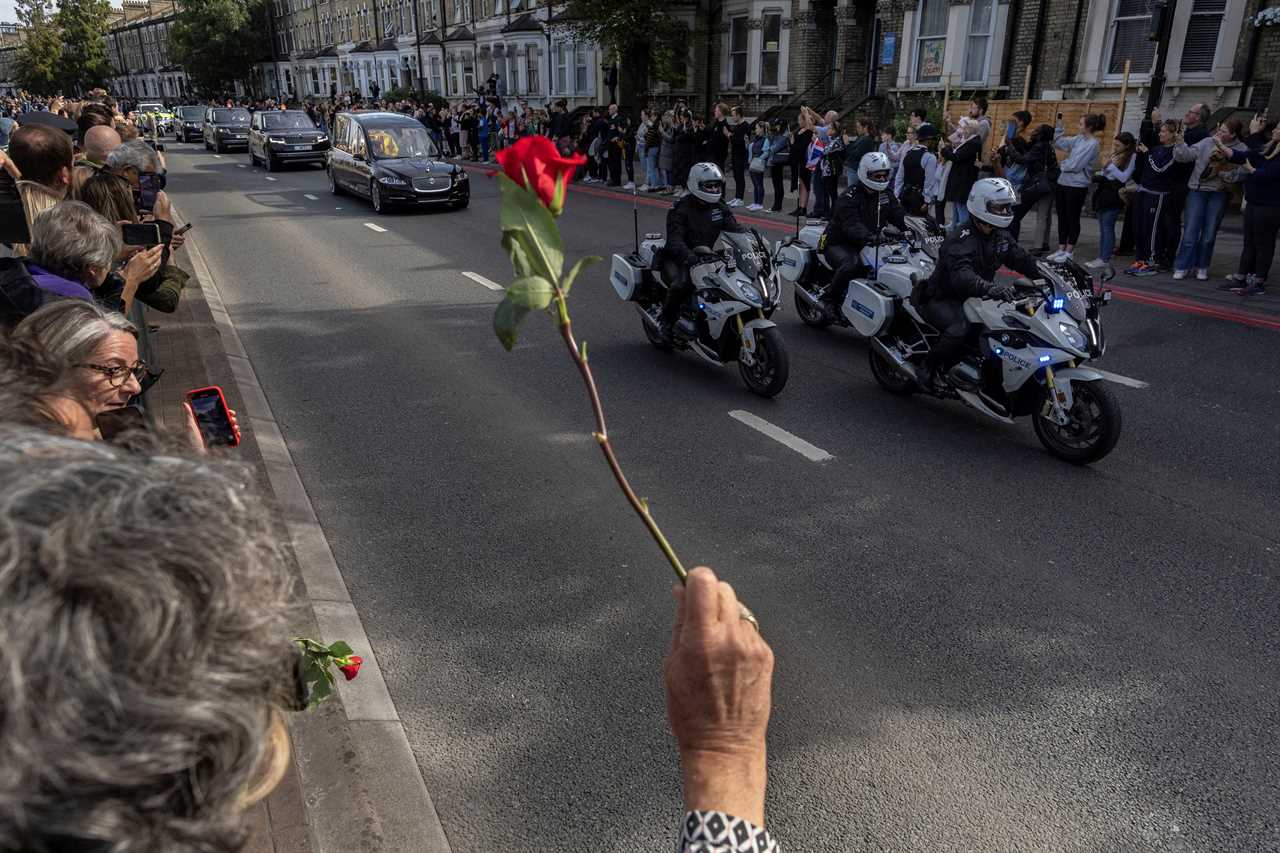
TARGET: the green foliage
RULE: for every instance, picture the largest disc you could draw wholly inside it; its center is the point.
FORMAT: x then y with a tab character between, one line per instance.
83	26
317	667
217	41
635	30
38	60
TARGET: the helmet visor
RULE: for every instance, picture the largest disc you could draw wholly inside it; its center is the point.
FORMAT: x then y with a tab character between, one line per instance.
712	186
879	176
998	207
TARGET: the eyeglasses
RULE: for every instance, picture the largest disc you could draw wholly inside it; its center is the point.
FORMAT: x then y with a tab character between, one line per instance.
118	374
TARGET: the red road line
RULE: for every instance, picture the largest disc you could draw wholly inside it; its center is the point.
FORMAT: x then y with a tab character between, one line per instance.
1171	303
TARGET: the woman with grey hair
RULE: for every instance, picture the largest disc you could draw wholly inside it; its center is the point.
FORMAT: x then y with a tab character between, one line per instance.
98	346
73	250
145	674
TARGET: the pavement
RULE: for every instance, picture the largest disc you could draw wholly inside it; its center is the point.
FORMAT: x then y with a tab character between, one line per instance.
978	647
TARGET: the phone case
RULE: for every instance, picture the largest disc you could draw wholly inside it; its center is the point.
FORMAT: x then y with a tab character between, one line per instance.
210	390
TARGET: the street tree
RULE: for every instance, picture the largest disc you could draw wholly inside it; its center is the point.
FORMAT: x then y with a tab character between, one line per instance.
83	27
38	61
650	44
218	41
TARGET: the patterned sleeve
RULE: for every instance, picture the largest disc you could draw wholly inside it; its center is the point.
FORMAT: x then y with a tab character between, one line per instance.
717	832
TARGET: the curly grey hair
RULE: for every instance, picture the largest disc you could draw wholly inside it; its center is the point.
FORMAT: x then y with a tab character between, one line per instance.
70	237
143	648
134	154
71	330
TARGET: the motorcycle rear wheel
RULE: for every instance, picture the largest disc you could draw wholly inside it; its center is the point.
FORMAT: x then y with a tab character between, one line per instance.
651	332
889	377
811	316
1094	428
768	375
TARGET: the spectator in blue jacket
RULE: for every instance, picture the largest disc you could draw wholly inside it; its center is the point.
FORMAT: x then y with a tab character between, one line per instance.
1074	179
1159	178
1261	211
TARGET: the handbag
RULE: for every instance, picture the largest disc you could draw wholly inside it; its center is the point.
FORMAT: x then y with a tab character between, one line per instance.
781	157
757	165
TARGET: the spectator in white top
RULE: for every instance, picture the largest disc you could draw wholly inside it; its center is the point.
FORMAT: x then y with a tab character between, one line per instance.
1074	179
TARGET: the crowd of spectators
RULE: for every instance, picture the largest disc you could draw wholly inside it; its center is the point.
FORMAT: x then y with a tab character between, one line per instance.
144	597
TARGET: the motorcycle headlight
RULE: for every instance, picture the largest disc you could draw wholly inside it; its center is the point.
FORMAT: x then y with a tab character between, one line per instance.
393	181
750	293
1074	336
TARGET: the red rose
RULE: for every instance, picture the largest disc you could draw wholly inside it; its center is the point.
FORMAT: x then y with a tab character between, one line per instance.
534	163
351	668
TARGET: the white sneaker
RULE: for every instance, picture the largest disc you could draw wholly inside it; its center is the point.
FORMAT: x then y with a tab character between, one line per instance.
755	207
1202	275
1179	275
1057	256
737	202
629	185
1068	256
644	188
1096	263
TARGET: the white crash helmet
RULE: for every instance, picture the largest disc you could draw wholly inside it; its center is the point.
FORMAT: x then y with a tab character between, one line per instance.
874	171
992	200
706	181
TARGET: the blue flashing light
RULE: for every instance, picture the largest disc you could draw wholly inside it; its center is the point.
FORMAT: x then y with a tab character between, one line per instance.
997	350
1058	303
1044	359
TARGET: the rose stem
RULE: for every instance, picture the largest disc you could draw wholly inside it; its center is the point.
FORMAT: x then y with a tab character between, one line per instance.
602	437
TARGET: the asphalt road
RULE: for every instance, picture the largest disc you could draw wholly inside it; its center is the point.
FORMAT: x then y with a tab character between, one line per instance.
979	648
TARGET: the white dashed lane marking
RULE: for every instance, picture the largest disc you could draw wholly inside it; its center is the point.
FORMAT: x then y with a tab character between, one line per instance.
780	435
481	280
372	227
269	178
310	197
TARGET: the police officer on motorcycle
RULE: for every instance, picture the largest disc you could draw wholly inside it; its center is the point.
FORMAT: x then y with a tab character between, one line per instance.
967	265
698	219
859	214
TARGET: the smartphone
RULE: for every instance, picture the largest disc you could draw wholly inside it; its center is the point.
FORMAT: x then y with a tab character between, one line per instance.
213	416
13	218
114	423
184	229
141	234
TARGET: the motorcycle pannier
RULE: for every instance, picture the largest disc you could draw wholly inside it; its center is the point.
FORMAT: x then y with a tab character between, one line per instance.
793	260
626	276
869	307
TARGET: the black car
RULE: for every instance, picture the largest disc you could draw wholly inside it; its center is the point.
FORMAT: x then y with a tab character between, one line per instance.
226	127
391	160
285	136
188	123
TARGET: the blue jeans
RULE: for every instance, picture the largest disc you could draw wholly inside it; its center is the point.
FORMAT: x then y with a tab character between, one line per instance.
819	196
1107	232
651	171
959	213
757	187
1205	210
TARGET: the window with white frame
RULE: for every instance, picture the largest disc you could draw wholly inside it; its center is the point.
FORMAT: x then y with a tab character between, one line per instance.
738	33
977	56
1200	47
1129	26
931	40
581	68
770	47
532	84
434	70
468	71
561	58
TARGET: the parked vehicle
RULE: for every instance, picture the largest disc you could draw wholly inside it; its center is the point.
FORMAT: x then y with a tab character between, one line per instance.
737	290
390	159
225	128
277	137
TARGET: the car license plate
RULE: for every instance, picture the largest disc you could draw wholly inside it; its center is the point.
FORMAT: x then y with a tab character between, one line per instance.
299	147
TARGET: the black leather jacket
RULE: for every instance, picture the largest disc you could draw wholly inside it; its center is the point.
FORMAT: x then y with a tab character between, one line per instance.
968	261
855	221
692	222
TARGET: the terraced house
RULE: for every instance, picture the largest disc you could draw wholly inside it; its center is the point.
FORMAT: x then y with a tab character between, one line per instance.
138	49
450	47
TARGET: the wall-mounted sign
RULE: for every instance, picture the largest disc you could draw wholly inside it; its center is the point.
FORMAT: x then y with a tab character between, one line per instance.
890	48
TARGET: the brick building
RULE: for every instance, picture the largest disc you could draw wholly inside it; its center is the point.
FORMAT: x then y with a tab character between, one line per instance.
138	48
11	35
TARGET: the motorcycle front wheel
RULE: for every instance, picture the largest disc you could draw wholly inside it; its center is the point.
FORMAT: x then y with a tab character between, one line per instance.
1093	428
769	373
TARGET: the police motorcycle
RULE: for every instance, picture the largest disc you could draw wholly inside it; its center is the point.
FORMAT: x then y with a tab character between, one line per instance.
1030	358
898	258
736	291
